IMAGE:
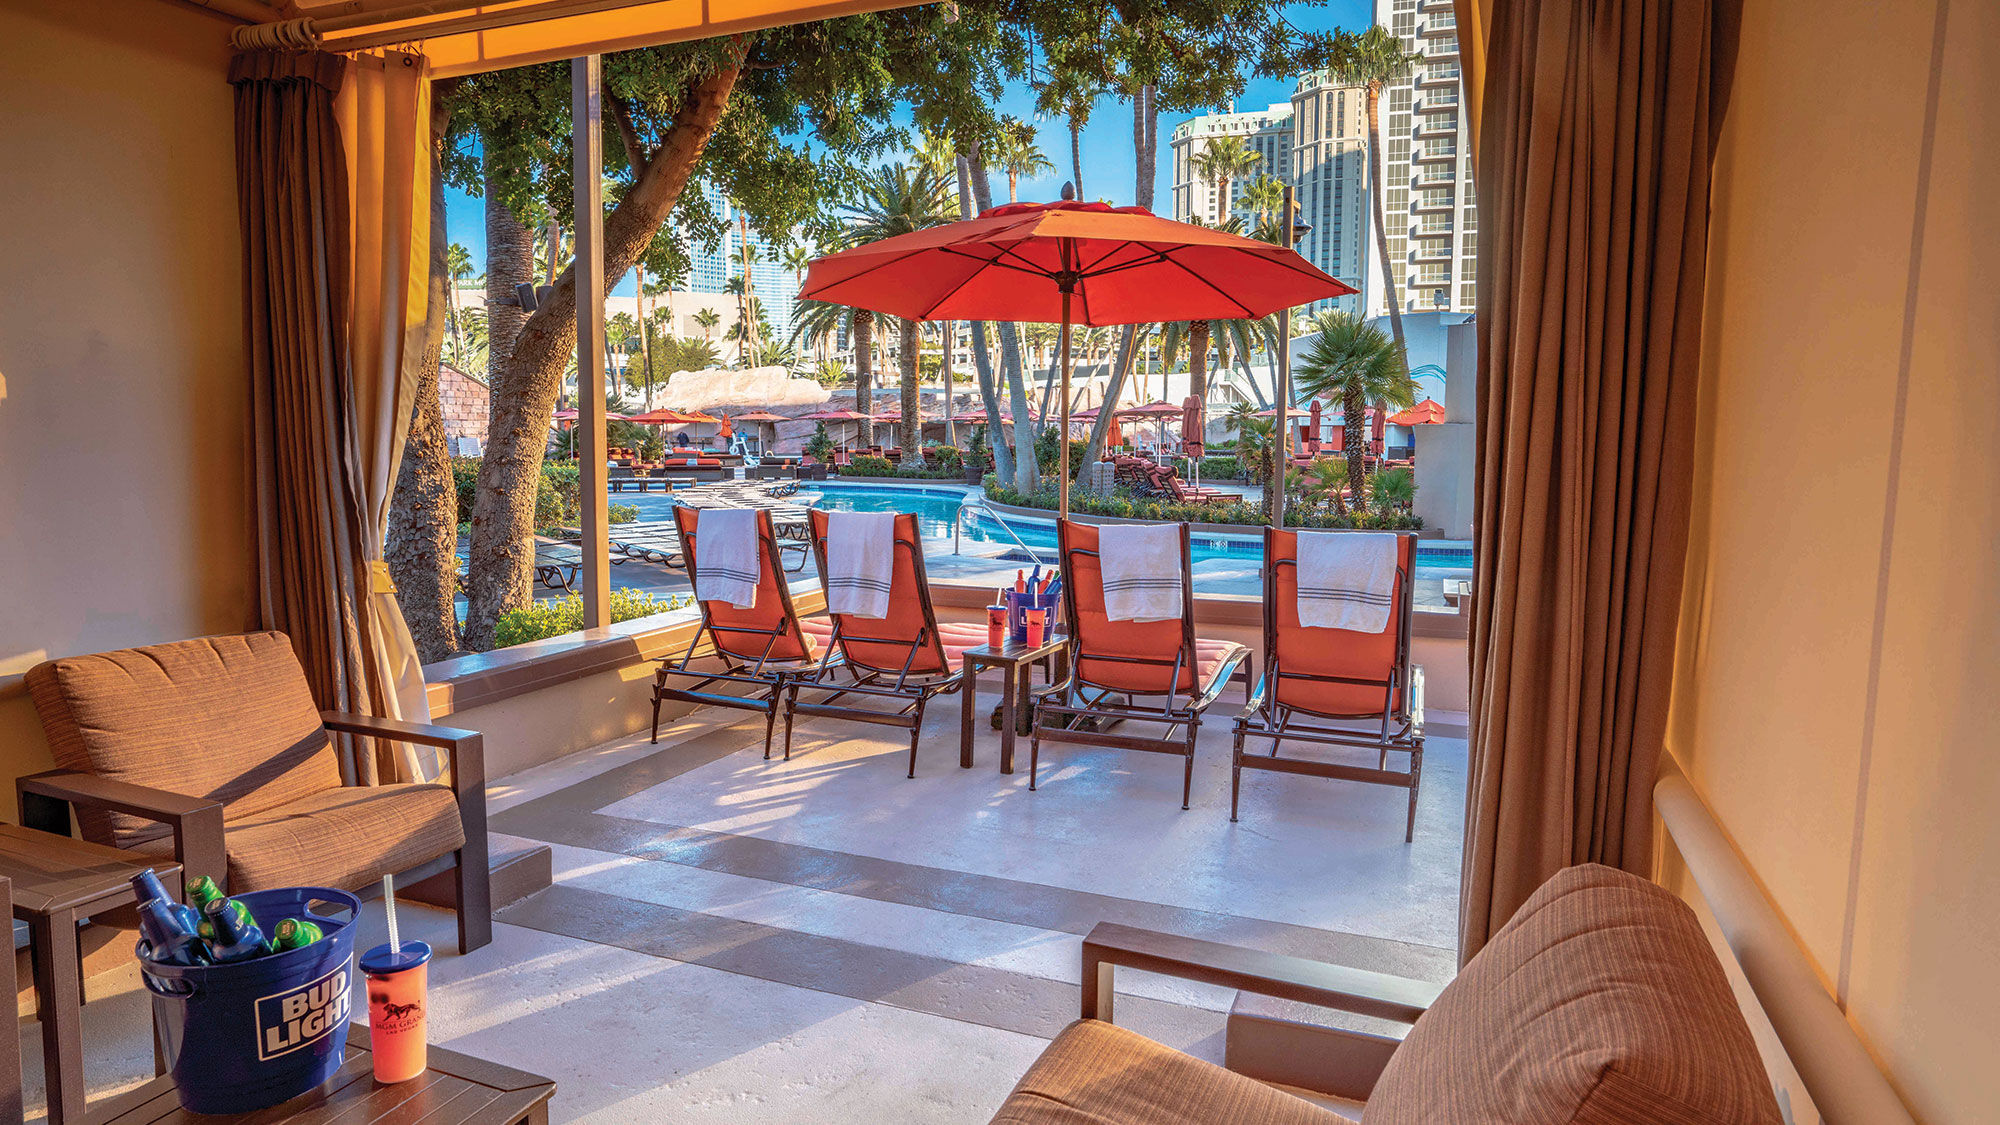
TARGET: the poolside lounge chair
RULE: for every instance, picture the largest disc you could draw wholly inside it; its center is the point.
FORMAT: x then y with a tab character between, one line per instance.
1334	687
905	658
759	647
1154	672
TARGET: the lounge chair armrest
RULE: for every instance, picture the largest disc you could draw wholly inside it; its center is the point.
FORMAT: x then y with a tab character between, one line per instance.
44	800
1222	678
465	749
1256	701
1359	991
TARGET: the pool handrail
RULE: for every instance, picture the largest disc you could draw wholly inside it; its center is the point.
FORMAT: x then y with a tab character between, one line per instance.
979	502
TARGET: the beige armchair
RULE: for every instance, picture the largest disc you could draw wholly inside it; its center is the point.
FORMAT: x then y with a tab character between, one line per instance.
212	751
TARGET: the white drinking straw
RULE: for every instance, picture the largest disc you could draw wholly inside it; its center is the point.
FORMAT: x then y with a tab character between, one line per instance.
389	907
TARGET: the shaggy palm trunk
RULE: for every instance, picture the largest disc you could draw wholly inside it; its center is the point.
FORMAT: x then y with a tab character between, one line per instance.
510	262
913	423
1198	372
1354	424
864	375
422	543
529	378
1076	154
982	359
1381	222
1145	146
1010	361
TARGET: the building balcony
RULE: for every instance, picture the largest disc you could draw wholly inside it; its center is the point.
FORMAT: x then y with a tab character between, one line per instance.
1435	8
1431	181
1437	80
1438	27
1435	105
1445	207
1440	50
1431	255
1447	154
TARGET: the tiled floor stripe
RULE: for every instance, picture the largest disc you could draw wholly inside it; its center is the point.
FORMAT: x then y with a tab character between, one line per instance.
977	994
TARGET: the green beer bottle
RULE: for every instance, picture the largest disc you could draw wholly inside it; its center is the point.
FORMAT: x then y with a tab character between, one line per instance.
201	891
291	933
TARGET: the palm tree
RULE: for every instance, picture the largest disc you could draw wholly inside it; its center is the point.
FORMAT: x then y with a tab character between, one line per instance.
1264	196
685	353
708	318
821	322
899	199
1223	161
458	266
1019	155
1357	364
1372	60
1233	341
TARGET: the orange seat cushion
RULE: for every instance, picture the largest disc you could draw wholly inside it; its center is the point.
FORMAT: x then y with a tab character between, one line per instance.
1335	652
772	609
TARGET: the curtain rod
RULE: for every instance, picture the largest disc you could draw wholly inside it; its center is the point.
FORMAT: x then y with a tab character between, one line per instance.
371	28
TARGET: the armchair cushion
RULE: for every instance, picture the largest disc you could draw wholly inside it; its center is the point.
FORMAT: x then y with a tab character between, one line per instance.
1600	1001
229	718
1096	1073
344	837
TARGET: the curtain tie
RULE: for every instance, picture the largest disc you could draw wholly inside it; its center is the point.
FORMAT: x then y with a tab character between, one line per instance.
380	581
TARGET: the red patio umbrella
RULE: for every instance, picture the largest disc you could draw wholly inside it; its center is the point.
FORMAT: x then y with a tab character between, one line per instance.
1315	420
763	418
1069	263
659	416
1426	413
1193	424
1156	410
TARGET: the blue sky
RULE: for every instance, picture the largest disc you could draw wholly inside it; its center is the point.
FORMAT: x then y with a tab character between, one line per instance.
1107	140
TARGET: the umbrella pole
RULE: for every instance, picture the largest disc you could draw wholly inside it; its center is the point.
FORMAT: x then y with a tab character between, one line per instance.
1062	432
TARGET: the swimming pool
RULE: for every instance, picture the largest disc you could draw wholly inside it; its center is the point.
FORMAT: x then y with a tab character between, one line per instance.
937	509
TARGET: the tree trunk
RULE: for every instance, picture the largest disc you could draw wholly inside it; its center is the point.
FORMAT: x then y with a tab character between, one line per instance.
645	333
422	543
1198	367
1076	155
1025	473
510	262
1381	222
529	379
1145	146
1354	423
982	359
913	422
864	374
944	367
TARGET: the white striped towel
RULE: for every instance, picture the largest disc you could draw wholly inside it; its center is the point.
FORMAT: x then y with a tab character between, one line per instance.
860	562
727	560
1141	564
1347	580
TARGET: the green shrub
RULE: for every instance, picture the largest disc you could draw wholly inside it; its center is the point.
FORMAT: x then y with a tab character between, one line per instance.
866	466
1123	505
556	616
624	513
1221	468
819	445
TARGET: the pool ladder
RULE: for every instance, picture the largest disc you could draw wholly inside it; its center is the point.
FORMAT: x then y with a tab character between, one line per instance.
979	503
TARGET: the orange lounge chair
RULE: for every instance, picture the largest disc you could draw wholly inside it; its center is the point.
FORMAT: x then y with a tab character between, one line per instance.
1130	671
906	657
1334	687
759	647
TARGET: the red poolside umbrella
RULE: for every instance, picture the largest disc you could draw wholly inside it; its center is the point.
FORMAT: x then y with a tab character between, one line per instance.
660	416
1069	263
1193	424
1428	412
1315	420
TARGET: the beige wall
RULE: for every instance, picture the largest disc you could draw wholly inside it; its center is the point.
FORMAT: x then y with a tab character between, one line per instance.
122	393
1838	701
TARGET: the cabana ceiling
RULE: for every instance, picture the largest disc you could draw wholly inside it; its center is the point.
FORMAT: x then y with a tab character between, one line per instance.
464	37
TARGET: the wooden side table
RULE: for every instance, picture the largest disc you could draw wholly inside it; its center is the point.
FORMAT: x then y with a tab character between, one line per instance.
458	1089
58	882
1017	662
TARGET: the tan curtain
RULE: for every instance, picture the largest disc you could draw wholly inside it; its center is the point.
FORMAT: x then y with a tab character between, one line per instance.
1472	18
385	124
1595	150
324	324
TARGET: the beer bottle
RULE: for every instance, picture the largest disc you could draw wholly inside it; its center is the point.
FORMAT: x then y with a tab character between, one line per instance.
147	886
202	891
293	933
168	939
237	937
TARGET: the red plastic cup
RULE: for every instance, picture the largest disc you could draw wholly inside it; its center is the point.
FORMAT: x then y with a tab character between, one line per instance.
398	1021
1038	626
996	626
